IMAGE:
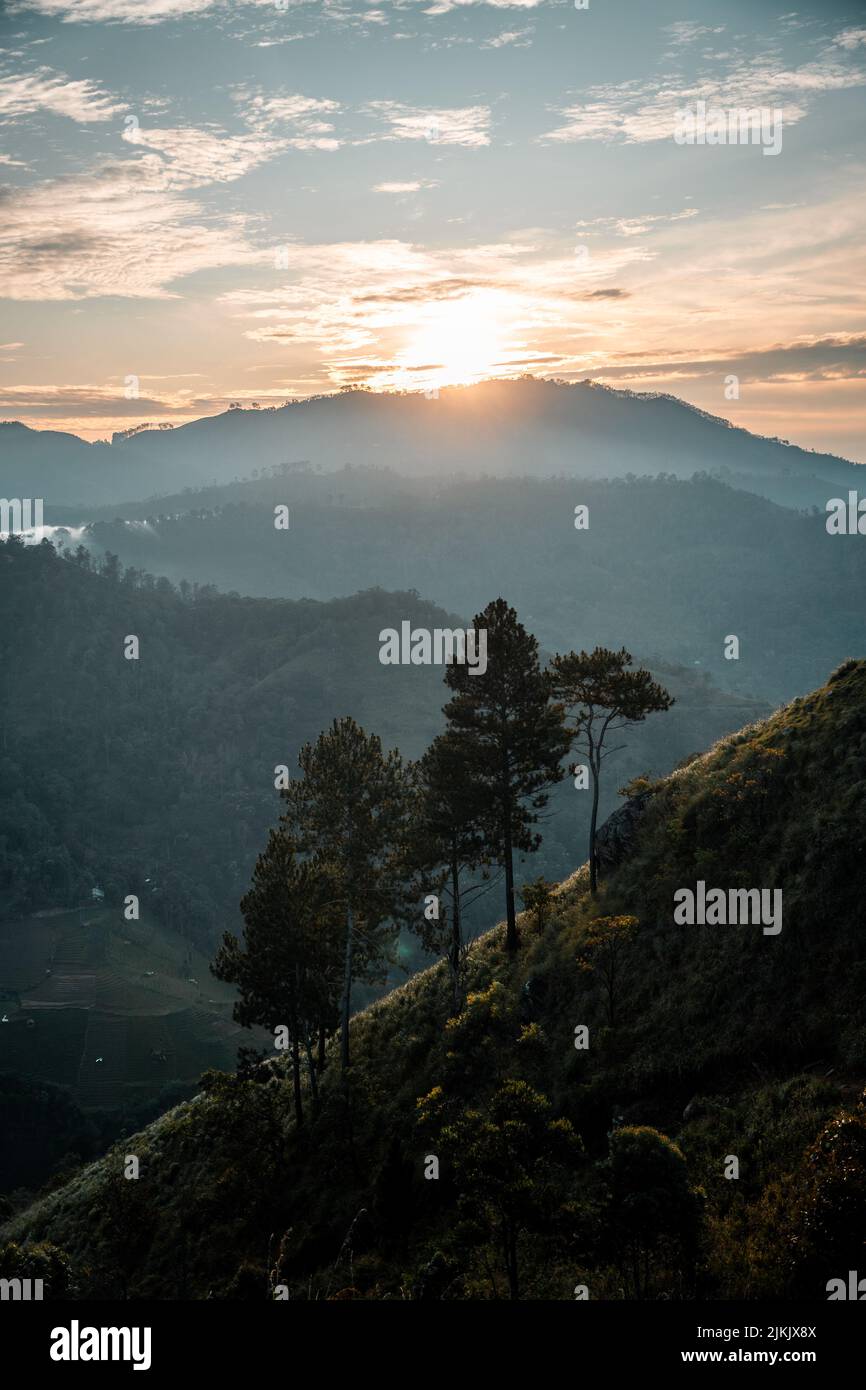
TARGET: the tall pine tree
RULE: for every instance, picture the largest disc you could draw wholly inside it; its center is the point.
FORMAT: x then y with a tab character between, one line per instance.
348	808
287	967
511	736
445	844
603	697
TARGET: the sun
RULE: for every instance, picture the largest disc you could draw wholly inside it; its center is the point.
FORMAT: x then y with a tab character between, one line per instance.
455	344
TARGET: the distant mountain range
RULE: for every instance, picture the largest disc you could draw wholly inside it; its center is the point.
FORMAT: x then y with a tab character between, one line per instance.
129	773
501	428
668	568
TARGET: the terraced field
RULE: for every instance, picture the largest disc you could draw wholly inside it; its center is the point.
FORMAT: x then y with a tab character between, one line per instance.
109	1008
25	953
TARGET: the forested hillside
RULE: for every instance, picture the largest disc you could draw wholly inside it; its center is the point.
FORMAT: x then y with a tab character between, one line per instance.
601	1164
156	776
670	567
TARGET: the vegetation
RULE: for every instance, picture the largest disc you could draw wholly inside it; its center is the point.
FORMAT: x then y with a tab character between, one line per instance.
287	969
603	697
510	736
445	847
693	558
561	1168
157	777
347	808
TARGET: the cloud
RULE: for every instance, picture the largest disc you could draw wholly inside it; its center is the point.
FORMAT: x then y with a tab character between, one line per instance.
517	38
414	186
145	12
446	6
686	31
124	232
101	400
193	158
397	187
306	122
642	111
298	118
400	304
839	357
22	94
850	39
123	228
446	287
125	11
463	125
633	226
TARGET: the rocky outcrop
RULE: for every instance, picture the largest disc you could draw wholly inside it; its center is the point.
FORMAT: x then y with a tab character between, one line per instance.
614	840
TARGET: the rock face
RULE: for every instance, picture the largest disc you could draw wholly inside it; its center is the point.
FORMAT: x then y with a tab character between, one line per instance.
614	839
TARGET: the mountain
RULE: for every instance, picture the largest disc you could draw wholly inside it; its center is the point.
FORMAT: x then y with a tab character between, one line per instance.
499	428
667	567
493	1152
54	465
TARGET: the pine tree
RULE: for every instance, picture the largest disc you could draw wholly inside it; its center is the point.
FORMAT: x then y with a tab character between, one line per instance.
348	808
603	697
445	844
287	968
511	737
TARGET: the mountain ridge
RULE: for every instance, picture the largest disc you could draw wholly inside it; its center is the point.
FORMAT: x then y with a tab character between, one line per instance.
511	427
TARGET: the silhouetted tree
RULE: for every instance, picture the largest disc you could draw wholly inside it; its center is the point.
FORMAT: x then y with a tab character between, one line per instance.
348	808
445	843
511	736
287	967
603	697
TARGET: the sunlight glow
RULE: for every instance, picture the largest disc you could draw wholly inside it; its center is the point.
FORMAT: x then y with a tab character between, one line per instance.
455	343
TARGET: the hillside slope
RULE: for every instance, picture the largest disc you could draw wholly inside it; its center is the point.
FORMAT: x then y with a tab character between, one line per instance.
602	1166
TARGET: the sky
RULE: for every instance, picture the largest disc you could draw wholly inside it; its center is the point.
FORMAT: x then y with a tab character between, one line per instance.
216	201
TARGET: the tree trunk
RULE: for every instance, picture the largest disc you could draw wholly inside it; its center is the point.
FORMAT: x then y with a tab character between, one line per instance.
510	1246
593	862
311	1067
511	939
296	1083
320	1058
347	990
456	940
